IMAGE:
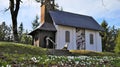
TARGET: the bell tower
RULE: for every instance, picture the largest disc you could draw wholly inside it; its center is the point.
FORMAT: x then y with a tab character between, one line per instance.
46	6
47	28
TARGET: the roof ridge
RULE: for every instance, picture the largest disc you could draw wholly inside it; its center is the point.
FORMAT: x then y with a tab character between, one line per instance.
71	13
74	20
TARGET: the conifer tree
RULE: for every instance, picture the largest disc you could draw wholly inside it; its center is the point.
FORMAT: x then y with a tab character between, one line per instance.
35	23
108	37
20	31
117	47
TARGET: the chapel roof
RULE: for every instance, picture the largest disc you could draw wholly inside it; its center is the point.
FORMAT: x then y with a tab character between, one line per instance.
69	19
74	20
45	26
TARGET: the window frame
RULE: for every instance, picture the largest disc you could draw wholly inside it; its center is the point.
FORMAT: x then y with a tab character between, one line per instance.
91	37
67	36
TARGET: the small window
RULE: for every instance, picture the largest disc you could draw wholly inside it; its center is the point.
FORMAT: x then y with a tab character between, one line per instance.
91	39
67	36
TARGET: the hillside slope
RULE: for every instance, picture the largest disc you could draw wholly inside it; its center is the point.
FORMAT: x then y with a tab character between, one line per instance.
16	48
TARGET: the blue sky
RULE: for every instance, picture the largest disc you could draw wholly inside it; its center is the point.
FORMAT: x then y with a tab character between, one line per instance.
108	10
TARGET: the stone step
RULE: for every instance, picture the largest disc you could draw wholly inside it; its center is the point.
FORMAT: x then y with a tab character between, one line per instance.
59	52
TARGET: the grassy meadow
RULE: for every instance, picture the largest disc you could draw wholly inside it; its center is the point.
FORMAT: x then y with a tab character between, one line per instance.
24	55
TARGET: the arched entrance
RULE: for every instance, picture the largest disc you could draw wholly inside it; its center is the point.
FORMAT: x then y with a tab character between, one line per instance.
50	44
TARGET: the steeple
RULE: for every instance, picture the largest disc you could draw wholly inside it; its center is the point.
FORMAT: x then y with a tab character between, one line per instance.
46	6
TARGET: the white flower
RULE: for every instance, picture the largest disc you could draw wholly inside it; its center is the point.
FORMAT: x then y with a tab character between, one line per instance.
8	65
34	59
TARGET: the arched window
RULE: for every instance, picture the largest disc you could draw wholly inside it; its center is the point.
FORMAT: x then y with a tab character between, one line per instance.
91	39
67	36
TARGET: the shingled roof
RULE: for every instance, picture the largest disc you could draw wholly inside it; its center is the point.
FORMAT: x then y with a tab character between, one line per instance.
74	20
46	27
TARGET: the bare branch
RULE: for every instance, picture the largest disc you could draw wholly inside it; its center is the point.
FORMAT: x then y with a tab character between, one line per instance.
38	0
21	1
6	9
103	3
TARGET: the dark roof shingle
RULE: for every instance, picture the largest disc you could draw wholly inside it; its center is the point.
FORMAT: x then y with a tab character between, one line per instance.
45	26
74	20
48	27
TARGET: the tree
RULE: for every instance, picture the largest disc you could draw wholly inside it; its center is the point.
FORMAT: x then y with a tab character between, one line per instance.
14	8
51	4
26	39
117	47
112	34
104	35
2	31
9	34
5	32
108	37
20	31
35	23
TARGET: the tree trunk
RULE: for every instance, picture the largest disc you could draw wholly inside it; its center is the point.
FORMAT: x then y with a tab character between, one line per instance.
14	8
14	25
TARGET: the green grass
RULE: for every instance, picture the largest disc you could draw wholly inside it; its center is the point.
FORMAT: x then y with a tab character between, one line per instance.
17	48
15	53
92	53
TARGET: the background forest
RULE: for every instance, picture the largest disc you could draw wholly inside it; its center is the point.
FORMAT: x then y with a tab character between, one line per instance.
110	35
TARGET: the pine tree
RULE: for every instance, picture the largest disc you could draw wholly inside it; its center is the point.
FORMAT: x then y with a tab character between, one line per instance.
5	32
104	35
20	31
108	37
35	23
117	47
2	31
112	38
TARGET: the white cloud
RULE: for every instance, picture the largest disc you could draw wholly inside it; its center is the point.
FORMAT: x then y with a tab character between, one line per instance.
27	15
89	7
27	12
4	3
29	9
95	8
108	10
